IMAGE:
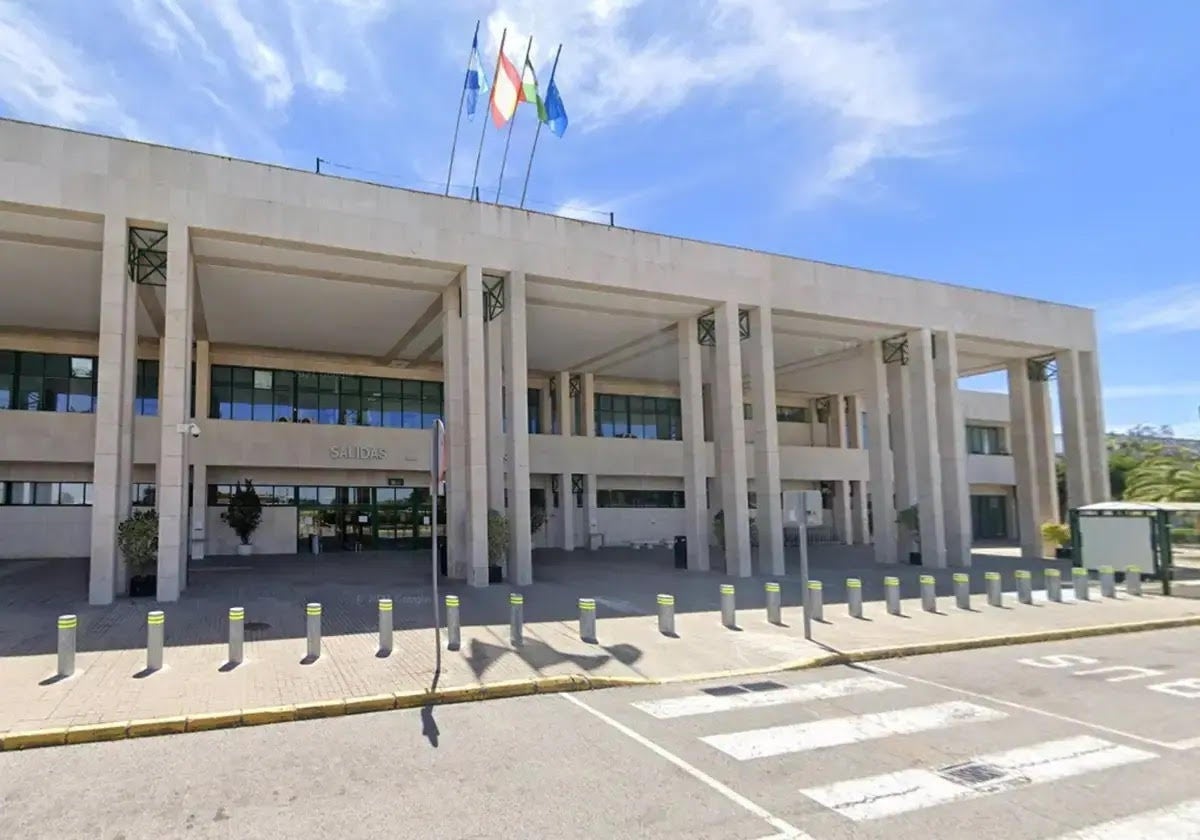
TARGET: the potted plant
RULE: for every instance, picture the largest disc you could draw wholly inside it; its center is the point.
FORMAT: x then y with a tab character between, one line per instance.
910	520
537	518
244	515
719	529
497	534
137	538
1058	535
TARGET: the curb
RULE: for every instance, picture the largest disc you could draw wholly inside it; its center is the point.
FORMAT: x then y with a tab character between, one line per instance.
210	721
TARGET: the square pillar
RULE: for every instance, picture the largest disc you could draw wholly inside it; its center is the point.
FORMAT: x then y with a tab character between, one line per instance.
731	440
1042	431
695	460
199	506
1022	432
1093	425
590	524
516	387
175	410
457	562
854	421
879	456
763	412
546	418
475	426
858	512
952	448
114	388
1074	431
926	455
587	396
900	433
563	422
493	333
843	518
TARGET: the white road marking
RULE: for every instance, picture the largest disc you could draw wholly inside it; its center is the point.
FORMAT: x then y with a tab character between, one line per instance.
818	734
888	794
786	830
1165	745
1178	822
704	704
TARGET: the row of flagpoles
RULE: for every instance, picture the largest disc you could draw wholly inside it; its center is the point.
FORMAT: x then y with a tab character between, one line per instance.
505	96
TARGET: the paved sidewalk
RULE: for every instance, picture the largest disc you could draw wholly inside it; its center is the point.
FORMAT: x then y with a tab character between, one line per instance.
108	686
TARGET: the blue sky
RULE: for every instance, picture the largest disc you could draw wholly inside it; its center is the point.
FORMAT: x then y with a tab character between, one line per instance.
1043	149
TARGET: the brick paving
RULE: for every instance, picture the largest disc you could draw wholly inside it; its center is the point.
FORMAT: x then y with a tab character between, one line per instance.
109	684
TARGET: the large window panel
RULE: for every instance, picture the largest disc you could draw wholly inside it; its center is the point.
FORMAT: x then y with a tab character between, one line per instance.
328	403
372	402
263	396
431	403
350	400
649	418
307	403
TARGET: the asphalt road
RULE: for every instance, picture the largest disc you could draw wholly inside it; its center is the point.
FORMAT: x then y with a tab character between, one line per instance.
1096	738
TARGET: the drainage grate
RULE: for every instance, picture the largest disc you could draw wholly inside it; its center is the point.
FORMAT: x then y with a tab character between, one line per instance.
985	778
256	626
723	690
766	685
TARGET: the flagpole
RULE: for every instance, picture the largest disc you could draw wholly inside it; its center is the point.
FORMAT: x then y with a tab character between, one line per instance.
491	98
538	133
461	99
511	122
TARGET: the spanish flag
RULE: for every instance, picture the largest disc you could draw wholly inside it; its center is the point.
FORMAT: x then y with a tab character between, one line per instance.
506	92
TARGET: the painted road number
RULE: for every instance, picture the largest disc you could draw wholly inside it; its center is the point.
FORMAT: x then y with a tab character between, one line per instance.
1186	688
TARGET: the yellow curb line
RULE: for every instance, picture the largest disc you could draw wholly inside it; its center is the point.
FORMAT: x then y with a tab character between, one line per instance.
209	721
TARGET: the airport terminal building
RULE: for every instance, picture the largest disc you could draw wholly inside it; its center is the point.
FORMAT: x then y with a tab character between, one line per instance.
173	323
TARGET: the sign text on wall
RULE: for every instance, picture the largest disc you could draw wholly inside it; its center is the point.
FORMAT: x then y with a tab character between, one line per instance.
357	453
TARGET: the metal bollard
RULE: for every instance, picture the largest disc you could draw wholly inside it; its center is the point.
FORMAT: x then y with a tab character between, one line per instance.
854	597
587	619
385	625
891	590
728	615
516	621
995	597
1108	582
773	603
1079	577
815	598
928	593
237	634
1133	580
313	613
453	625
1024	586
666	615
67	625
962	590
1054	585
155	625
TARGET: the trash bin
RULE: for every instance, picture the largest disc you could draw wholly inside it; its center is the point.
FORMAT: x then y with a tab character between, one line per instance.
681	552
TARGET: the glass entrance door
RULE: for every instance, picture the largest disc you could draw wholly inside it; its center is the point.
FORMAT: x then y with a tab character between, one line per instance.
989	517
355	528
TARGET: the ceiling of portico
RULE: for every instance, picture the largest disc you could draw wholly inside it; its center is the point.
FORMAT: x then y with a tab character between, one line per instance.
49	271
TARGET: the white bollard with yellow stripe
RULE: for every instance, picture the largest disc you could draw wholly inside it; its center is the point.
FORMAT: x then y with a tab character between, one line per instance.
155	630
1079	578
774	603
67	626
854	597
237	635
516	609
1133	580
1054	585
453	624
1108	582
816	609
962	590
587	619
891	593
728	605
1024	586
386	626
928	593
312	613
995	597
666	614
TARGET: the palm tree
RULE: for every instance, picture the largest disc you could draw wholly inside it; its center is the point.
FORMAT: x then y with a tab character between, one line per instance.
1164	479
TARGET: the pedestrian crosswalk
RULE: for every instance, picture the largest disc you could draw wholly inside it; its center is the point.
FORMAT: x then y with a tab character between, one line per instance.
1027	764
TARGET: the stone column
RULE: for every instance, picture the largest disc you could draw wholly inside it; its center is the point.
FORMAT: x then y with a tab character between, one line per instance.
545	410
1042	431
952	448
858	512
587	382
175	375
1074	431
926	454
854	421
1093	424
837	437
695	466
731	440
475	425
566	498
763	411
114	389
456	441
497	448
516	388
199	506
879	456
1022	433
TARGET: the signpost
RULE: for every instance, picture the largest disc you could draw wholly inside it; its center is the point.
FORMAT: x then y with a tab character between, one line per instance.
437	473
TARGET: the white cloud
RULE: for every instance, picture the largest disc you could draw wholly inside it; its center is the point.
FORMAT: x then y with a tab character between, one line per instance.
44	77
164	22
260	60
1166	389
1172	310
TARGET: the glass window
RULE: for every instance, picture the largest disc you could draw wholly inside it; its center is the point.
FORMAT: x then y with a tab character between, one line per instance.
534	408
985	440
350	388
327	399
146	396
307	402
651	418
639	498
263	396
71	493
45	493
306	494
326	495
412	404
431	403
20	492
791	414
372	401
144	494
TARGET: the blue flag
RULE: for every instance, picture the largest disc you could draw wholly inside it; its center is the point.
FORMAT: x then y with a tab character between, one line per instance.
476	81
556	114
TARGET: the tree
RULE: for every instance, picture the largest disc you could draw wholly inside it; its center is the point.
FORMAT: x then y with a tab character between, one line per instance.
137	537
244	512
910	520
1165	478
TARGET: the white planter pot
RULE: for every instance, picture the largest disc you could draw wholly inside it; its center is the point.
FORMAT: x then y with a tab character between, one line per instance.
245	550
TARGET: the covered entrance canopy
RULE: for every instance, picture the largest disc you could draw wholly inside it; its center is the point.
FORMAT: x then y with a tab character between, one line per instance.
1126	535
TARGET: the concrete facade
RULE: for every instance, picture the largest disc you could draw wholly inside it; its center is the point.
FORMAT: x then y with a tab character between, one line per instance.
631	385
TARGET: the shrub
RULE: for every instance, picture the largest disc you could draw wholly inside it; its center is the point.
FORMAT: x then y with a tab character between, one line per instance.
137	538
244	512
497	537
1056	534
910	520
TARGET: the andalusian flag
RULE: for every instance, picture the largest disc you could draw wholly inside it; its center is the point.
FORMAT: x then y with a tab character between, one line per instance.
529	90
506	92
